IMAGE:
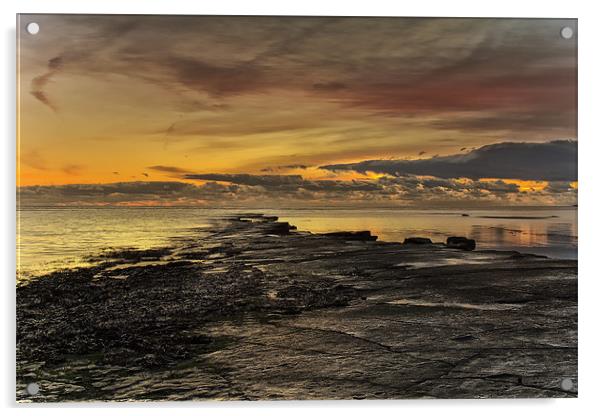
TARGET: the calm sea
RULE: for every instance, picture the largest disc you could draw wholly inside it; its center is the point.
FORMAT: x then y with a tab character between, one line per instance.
53	238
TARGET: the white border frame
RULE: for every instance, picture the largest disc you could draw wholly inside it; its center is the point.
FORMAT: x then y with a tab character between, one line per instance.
590	151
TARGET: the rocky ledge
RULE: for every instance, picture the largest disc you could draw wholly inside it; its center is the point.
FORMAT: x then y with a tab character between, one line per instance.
255	310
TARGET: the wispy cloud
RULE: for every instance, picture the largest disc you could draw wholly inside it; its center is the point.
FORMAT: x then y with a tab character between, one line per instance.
72	169
168	169
391	66
38	84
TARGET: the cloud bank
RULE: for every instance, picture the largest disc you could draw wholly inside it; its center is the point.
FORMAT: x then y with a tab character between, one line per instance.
550	161
291	191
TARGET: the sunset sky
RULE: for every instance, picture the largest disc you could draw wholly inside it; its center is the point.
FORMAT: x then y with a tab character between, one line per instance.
289	111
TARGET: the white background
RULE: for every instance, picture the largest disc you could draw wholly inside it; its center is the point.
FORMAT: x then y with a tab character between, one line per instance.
590	200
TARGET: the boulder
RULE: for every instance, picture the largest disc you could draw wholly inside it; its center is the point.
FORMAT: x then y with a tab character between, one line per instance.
417	240
279	227
461	243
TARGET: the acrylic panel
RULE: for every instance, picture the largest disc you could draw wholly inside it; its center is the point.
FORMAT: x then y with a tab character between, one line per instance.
295	208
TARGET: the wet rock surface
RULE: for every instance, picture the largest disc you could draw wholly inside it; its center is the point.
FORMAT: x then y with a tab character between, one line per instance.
256	310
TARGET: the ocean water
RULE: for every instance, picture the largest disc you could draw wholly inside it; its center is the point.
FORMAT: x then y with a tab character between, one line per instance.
49	239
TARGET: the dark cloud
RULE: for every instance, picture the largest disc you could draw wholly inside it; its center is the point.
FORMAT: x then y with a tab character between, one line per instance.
123	192
426	191
287	182
124	188
535	121
247	179
167	169
559	187
407	188
219	80
550	161
549	90
284	167
293	167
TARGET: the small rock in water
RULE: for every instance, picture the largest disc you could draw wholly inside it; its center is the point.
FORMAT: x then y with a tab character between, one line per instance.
417	240
353	235
461	243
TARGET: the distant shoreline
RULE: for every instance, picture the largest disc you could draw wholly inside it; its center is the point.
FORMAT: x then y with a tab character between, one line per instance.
320	208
